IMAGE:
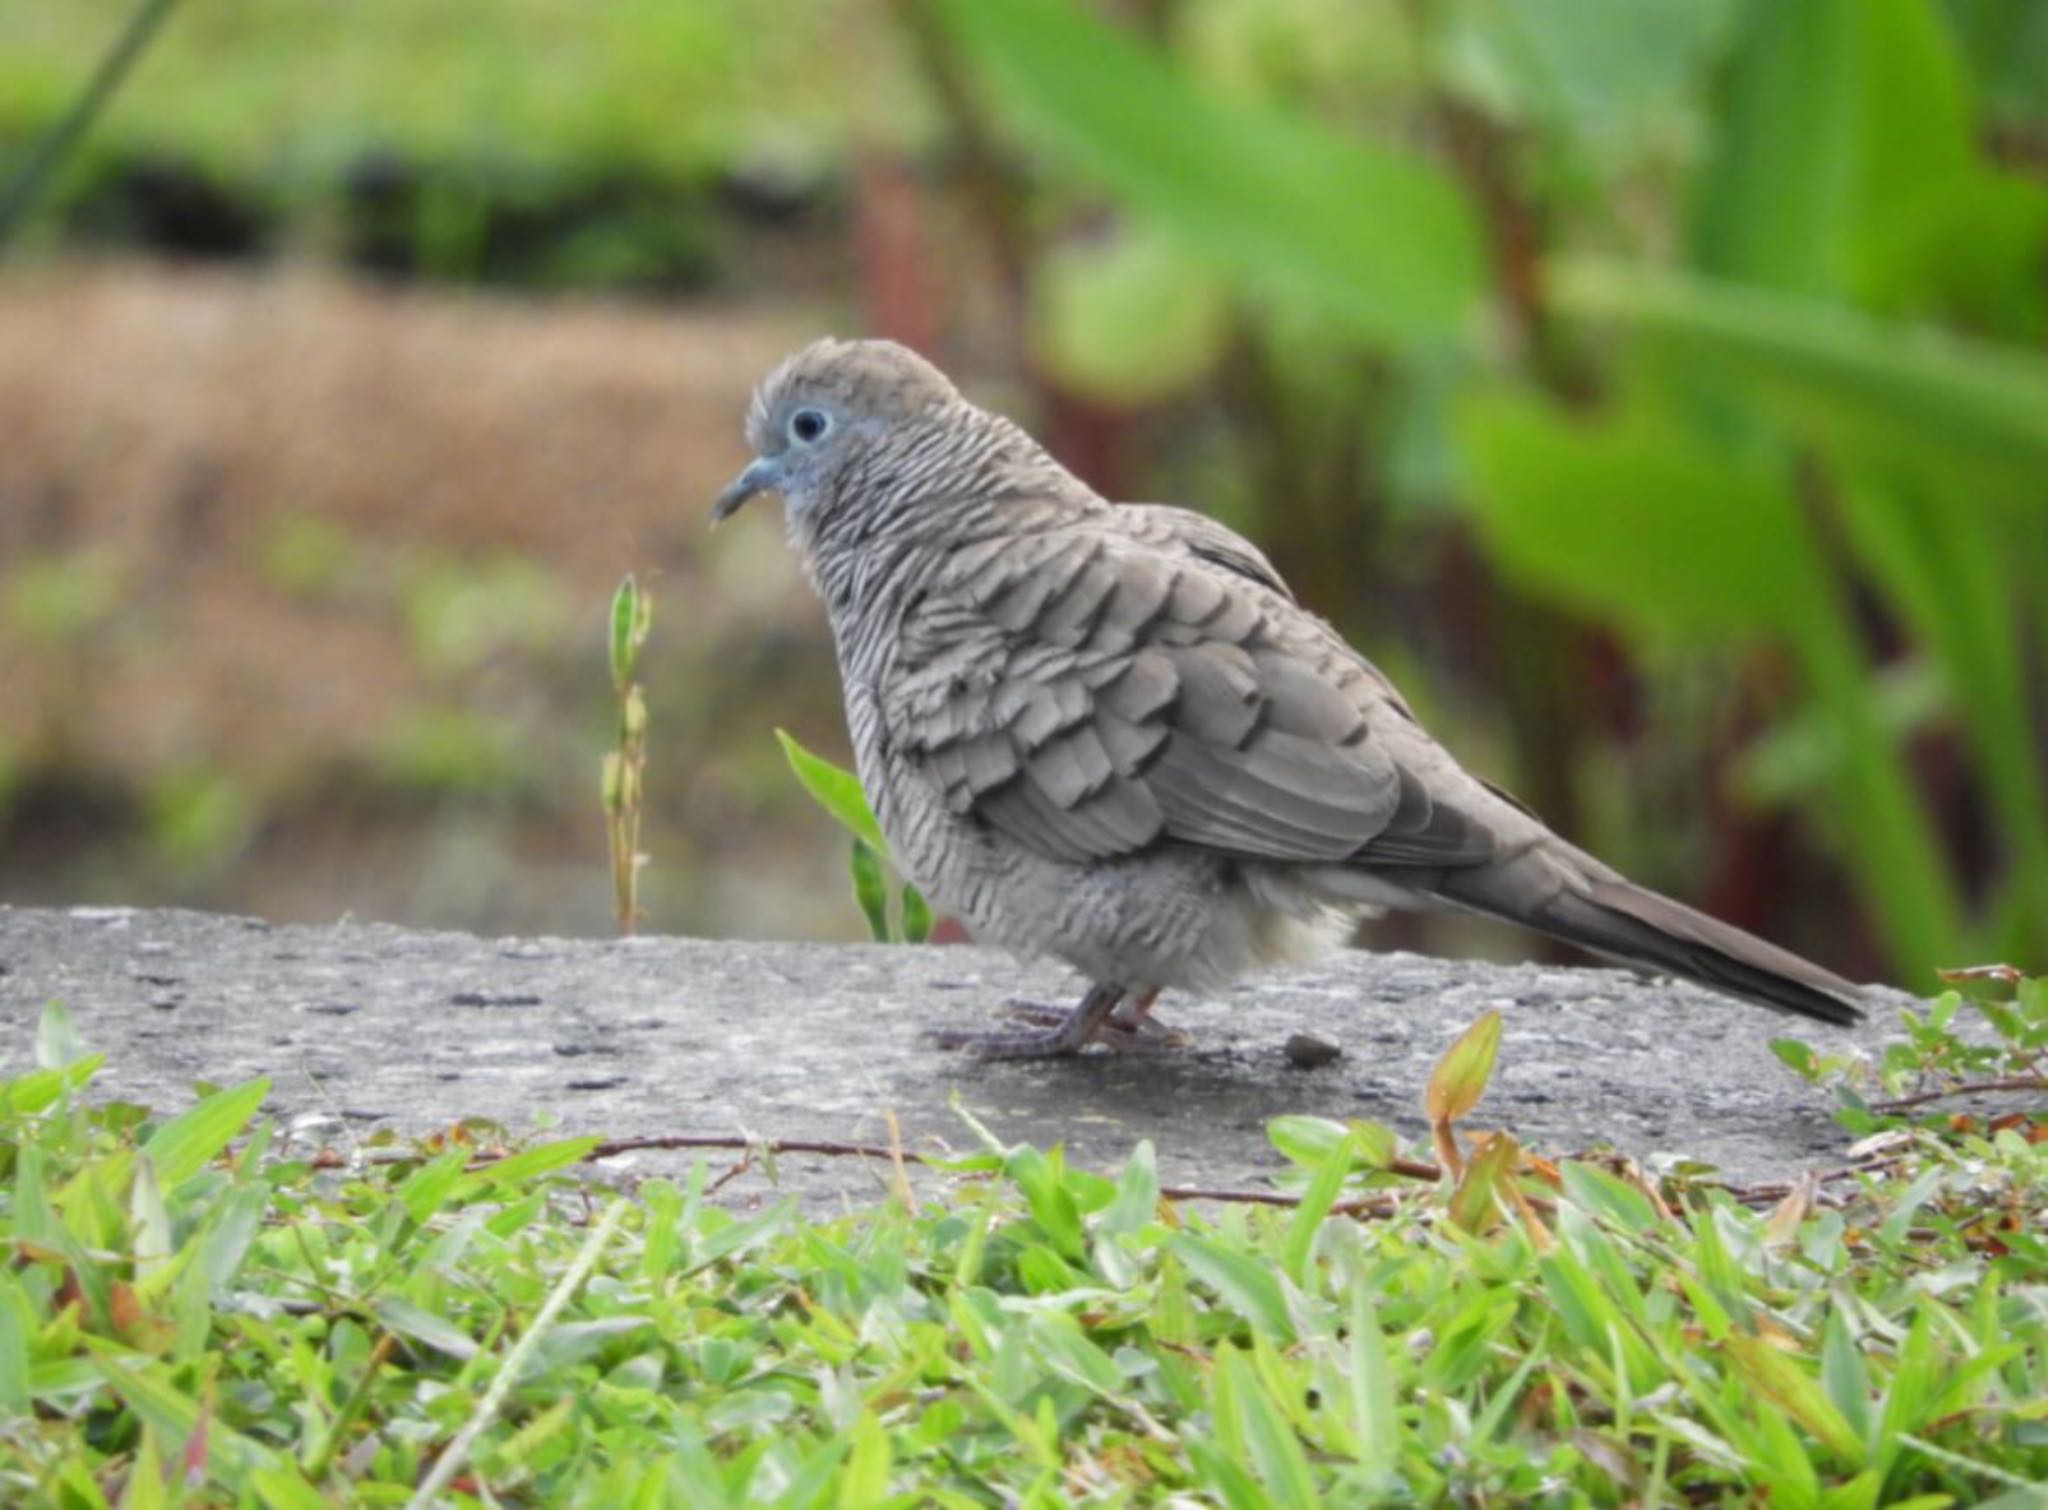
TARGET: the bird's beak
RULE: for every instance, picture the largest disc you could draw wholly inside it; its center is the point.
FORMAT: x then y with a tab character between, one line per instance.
761	475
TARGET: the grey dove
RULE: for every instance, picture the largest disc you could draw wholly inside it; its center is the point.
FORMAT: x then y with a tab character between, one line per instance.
1109	734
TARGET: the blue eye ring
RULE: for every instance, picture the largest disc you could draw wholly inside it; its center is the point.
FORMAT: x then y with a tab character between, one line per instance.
808	425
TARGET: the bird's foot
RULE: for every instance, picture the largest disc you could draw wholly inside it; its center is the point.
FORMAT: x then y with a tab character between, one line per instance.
1061	1034
1127	1031
1021	1043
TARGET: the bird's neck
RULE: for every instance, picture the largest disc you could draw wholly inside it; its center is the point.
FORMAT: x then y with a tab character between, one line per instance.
902	511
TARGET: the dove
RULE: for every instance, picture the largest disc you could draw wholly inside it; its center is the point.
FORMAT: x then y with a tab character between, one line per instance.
1109	734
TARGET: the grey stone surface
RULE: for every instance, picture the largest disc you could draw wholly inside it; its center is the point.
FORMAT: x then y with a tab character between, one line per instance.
370	1026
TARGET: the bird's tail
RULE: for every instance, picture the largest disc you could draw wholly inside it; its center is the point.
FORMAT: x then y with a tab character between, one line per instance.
1575	898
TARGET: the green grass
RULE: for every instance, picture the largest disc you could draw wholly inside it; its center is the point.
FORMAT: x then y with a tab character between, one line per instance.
192	1313
293	92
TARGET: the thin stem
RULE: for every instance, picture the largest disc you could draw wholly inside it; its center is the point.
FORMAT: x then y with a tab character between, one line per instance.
457	1452
22	191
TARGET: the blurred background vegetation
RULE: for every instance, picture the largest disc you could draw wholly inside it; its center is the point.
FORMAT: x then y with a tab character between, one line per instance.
1656	389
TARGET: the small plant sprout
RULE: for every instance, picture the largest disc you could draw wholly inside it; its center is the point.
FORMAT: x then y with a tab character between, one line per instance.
625	767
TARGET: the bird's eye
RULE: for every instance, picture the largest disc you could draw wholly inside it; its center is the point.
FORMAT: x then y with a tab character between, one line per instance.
807	425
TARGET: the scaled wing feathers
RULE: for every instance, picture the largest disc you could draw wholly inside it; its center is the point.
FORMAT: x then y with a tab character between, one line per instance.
1091	693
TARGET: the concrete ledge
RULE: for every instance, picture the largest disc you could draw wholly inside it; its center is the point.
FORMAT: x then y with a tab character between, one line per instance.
370	1026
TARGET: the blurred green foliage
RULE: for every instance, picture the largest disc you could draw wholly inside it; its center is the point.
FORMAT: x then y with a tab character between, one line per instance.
296	94
1755	361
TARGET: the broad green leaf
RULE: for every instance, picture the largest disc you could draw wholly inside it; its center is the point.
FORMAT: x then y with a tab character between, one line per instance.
836	790
1635	520
1371	236
1460	1077
1609	82
1779	181
189	1142
1905	390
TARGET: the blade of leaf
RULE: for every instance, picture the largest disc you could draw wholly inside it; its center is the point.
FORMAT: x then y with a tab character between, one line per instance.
834	789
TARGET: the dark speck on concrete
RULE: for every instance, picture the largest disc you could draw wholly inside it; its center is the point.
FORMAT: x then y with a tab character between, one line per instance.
493	999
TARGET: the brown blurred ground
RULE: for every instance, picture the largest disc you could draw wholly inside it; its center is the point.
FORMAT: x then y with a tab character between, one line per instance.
263	531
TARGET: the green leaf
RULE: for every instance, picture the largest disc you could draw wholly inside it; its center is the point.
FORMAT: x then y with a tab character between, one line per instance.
1307	1141
1374	1408
1776	188
188	1143
1460	1077
1137	1193
1472	1204
17	1324
1372	237
530	1164
1269	1440
1247	1284
147	1219
408	1320
869	890
1596	1191
742	1236
917	916
427	1188
228	1456
1785	1384
38	1090
865	1480
1905	390
1316	1202
1634	520
1052	1203
837	791
627	625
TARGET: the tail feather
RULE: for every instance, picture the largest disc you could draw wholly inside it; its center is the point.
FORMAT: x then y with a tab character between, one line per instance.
1612	916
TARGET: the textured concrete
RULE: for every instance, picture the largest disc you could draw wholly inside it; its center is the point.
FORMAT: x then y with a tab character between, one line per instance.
368	1026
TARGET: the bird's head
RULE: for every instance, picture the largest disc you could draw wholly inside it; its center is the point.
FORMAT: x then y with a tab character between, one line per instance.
822	419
